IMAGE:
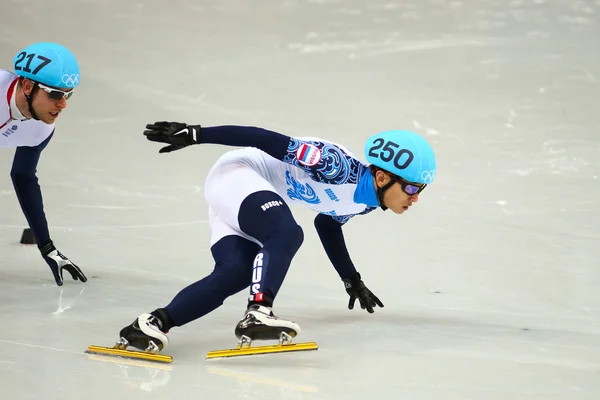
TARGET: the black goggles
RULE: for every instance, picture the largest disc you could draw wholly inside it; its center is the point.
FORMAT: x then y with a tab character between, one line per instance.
410	188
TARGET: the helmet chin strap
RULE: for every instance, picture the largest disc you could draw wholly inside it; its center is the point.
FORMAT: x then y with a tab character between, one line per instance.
29	98
381	191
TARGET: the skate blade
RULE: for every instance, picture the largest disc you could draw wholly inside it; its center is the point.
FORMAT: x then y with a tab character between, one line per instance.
249	351
138	355
130	361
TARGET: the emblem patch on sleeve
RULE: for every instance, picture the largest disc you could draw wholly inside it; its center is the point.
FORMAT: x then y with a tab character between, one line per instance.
308	154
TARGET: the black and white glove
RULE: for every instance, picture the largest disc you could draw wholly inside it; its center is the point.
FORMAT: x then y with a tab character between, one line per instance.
177	134
58	262
356	289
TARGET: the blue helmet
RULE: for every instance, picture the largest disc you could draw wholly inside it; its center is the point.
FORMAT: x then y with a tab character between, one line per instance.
402	153
48	63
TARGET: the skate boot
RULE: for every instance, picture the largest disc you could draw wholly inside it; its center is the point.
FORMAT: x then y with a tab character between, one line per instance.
145	334
259	323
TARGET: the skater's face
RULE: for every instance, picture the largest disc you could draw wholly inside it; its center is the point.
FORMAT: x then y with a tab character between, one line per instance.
395	197
45	101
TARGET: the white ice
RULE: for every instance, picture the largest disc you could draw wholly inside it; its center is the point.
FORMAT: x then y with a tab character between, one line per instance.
491	284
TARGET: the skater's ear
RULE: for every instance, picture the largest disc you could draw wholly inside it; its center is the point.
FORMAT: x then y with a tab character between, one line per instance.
26	85
381	178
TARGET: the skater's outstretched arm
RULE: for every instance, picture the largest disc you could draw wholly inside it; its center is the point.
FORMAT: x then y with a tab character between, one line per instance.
180	135
329	230
27	188
25	182
324	162
332	238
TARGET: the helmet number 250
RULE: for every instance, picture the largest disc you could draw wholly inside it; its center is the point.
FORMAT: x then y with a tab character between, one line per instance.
22	56
388	151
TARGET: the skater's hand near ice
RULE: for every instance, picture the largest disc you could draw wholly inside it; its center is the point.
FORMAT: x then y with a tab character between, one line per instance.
177	134
58	262
356	289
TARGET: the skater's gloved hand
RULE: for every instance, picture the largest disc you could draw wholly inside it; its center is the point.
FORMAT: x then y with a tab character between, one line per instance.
177	134
58	262
356	288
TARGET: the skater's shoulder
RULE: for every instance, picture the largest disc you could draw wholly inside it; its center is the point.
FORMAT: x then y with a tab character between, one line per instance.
6	78
312	151
325	143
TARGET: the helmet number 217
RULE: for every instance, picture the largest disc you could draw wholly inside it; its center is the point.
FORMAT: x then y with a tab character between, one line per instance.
388	151
22	56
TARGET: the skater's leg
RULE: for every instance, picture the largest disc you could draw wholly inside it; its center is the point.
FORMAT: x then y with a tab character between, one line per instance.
249	204
266	217
233	257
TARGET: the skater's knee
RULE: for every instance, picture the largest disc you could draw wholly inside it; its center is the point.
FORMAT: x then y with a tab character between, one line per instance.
264	214
293	235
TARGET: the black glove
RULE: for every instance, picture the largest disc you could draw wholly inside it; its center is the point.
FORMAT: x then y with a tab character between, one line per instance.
57	262
356	288
177	134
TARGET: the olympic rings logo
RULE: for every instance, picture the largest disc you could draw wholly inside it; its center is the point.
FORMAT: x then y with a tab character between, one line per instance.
71	80
428	176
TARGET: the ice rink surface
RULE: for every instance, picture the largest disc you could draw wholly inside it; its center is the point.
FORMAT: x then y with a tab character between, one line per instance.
491	283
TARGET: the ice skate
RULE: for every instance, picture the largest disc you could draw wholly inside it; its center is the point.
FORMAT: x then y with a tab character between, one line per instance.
259	323
144	334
